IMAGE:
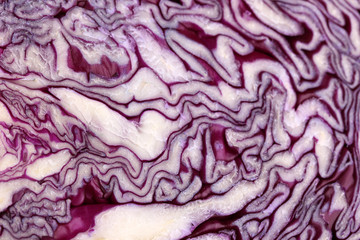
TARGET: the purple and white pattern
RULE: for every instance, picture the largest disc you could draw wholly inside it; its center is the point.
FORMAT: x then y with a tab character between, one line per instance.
179	119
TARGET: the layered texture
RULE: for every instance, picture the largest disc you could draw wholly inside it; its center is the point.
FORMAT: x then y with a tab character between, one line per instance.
182	119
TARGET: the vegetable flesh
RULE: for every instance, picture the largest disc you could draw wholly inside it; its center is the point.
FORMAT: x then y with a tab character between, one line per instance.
192	119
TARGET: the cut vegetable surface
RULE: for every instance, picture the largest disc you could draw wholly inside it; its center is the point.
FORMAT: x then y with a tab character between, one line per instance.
179	119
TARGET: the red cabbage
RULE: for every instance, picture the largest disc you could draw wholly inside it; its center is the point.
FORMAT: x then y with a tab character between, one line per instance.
179	119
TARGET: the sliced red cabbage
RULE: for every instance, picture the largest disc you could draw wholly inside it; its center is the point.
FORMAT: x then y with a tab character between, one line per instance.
179	119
